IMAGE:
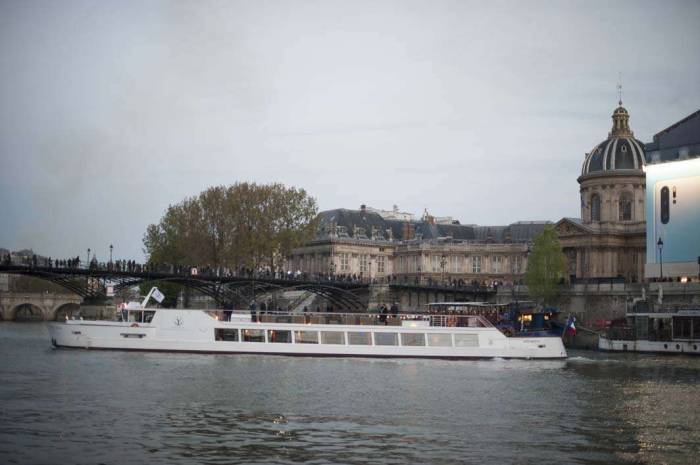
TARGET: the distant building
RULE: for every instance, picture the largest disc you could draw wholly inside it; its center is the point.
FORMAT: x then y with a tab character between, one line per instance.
608	241
393	214
614	239
366	243
673	201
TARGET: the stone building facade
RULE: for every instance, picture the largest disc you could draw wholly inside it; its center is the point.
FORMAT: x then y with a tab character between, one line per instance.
608	241
378	245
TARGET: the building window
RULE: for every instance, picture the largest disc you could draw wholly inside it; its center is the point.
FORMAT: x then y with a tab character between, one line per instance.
625	207
595	207
476	264
517	262
456	263
435	263
344	262
496	262
380	263
363	263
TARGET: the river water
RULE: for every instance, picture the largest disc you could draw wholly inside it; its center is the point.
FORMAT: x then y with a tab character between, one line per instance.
79	406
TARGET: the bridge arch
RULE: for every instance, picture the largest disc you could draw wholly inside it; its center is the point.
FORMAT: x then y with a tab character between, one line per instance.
61	311
27	311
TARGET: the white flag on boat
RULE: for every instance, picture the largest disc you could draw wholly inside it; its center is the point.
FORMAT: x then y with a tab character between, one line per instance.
158	295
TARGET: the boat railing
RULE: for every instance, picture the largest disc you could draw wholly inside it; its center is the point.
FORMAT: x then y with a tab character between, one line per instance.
361	319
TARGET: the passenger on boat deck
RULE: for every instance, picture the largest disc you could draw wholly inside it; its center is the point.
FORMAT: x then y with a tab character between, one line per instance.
383	310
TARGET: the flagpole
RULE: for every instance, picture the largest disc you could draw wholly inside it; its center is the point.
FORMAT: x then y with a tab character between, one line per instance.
148	296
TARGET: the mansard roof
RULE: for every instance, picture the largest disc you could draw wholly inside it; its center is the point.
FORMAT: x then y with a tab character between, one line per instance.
359	224
678	141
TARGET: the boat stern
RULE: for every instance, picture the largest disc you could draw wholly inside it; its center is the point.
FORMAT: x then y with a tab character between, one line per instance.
538	347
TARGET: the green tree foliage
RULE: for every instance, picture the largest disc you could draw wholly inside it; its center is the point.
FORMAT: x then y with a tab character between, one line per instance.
246	224
545	267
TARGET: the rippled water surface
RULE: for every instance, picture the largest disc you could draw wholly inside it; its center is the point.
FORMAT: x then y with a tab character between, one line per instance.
77	406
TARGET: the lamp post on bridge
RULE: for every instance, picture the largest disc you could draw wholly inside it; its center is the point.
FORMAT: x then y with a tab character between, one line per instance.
87	263
111	247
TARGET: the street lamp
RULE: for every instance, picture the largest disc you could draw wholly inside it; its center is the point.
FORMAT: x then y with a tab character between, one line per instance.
660	246
111	247
87	263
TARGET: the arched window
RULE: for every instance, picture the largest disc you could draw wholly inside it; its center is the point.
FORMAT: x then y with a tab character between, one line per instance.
625	206
595	207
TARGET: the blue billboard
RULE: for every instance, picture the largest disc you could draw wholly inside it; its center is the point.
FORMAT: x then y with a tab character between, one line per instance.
673	218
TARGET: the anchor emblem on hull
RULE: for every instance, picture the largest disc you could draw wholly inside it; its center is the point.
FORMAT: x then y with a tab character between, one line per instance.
178	321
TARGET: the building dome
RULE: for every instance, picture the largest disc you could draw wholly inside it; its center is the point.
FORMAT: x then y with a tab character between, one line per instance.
620	151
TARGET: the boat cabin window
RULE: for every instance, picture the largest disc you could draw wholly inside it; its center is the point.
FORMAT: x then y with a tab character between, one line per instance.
386	339
253	335
439	340
221	334
140	316
412	339
332	337
696	328
681	327
306	337
276	335
359	338
466	340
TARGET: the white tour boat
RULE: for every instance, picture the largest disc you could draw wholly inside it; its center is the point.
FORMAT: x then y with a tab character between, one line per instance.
450	334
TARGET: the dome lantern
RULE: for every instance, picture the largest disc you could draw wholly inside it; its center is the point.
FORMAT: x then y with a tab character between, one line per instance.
621	123
620	151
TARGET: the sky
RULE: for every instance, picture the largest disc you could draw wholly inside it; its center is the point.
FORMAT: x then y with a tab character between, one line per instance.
483	111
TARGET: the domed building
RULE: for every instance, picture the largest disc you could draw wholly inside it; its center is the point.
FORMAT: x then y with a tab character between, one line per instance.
608	241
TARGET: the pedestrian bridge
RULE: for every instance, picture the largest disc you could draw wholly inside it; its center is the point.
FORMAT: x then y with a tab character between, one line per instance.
232	291
37	306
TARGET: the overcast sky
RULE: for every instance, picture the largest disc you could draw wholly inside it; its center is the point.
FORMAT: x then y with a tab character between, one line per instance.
110	111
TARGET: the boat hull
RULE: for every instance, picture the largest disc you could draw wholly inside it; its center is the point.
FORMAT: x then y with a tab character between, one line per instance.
666	347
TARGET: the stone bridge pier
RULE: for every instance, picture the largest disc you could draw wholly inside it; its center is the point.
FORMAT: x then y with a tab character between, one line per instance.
37	306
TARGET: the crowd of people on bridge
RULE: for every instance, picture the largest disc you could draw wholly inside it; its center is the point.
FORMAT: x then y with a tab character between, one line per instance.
262	273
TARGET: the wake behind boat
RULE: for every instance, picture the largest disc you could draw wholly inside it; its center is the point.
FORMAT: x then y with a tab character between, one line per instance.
440	333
